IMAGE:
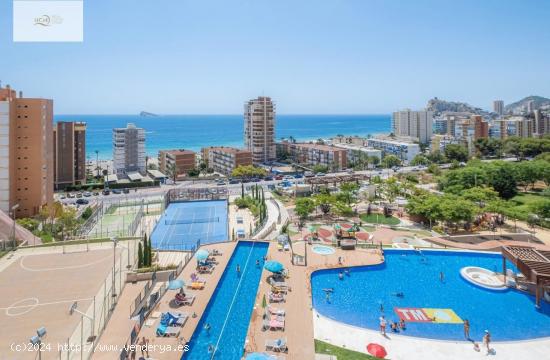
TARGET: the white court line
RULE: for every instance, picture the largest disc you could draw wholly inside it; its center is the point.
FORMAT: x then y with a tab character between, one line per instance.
24	267
169	231
43	304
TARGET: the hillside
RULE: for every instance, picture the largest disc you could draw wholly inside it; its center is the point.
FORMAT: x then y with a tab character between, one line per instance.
519	105
439	106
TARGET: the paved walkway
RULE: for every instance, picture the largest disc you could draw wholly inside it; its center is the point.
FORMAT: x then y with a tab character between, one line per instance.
411	348
120	325
298	306
199	305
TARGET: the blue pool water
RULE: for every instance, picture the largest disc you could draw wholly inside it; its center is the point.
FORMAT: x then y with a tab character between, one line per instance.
508	315
201	220
230	307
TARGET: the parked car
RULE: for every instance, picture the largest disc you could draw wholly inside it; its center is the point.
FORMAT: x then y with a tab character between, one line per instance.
350	171
79	195
220	183
298	176
319	174
255	180
95	193
233	181
106	192
117	191
82	201
279	177
268	178
62	197
87	194
126	190
308	174
71	195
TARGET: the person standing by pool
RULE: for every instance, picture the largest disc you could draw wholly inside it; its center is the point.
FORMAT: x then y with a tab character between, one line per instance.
383	324
487	341
467	329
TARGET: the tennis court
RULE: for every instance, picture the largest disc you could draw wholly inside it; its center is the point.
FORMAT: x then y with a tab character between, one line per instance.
184	224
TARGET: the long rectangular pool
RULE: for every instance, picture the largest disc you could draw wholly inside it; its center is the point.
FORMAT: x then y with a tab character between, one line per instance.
230	307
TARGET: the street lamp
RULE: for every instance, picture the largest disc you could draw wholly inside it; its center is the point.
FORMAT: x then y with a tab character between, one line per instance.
13	208
36	340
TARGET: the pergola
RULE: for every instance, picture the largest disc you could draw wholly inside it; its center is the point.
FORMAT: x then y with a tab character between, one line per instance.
334	179
533	263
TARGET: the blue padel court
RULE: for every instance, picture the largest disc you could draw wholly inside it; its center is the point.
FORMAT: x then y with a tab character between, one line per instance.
183	224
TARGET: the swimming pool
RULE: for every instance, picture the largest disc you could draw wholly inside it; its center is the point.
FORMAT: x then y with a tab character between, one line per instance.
230	307
358	298
322	250
183	224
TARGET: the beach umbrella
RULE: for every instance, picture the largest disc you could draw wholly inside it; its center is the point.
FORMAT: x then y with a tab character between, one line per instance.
175	284
202	255
377	350
273	266
260	356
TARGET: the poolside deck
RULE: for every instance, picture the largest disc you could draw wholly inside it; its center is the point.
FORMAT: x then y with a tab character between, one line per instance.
298	307
199	305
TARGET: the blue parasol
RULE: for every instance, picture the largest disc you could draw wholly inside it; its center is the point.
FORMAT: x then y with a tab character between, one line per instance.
274	266
202	255
176	284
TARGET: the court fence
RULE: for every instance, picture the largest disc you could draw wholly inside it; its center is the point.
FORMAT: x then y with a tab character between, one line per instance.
93	319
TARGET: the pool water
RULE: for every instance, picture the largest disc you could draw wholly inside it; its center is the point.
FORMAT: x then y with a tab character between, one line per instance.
230	307
358	299
323	250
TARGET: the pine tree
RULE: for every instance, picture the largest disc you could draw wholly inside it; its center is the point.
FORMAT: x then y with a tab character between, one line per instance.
145	252
140	256
242	190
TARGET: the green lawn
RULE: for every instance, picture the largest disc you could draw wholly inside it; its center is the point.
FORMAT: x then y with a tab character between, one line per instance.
522	202
379	219
322	347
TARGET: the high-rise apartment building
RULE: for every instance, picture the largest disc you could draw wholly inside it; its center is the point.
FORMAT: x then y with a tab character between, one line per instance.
129	149
498	107
69	149
530	107
180	160
481	128
26	154
415	124
541	125
259	129
224	159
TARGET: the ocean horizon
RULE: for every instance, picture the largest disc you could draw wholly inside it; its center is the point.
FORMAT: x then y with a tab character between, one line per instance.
196	131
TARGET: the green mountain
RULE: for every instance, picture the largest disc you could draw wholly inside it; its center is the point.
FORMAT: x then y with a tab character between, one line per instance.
521	104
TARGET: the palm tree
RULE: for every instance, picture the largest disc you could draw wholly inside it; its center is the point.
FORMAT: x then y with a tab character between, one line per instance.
97	162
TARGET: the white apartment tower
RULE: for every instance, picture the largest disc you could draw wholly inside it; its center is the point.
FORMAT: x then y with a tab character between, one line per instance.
498	107
259	129
128	149
415	124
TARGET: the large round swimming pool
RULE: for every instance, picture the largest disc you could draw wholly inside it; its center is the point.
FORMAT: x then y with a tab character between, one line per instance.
408	285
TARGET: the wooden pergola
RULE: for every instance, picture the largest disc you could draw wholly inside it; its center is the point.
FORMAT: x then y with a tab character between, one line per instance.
532	263
335	179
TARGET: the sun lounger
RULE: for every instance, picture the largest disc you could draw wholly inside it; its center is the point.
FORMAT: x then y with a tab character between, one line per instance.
171	319
280	289
275	311
168	331
196	278
197	285
184	300
215	252
206	269
273	324
276	297
276	345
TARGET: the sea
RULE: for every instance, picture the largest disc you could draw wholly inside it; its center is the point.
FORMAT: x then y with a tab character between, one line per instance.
196	131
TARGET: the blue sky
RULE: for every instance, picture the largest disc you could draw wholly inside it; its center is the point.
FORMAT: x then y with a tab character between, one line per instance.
324	56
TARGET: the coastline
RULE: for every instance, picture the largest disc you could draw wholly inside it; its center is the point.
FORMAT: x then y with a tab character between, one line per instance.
196	131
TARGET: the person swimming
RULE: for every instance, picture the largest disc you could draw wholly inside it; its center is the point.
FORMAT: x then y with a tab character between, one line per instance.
346	271
399	294
341	275
210	348
238	269
207	327
394	327
402	324
257	263
328	289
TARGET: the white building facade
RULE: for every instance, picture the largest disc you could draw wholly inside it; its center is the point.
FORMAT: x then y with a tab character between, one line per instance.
129	149
415	124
